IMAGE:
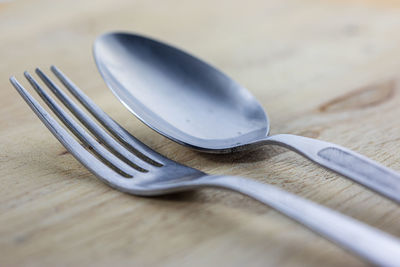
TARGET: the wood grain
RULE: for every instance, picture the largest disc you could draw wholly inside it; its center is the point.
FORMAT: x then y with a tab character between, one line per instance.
324	69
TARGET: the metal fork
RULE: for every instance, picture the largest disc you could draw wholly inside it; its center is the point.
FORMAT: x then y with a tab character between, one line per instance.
123	162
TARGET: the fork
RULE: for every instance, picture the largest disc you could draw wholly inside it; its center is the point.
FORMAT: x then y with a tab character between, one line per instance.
126	164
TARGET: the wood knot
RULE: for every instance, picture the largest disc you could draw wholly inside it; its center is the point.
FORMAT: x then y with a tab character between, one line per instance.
310	133
364	97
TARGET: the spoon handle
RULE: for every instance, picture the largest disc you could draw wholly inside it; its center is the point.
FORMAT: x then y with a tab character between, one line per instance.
345	162
368	242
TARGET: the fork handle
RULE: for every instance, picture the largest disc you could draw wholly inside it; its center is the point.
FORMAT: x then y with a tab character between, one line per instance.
345	162
368	242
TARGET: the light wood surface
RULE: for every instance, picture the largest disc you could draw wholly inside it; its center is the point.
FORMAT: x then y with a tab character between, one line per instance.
324	69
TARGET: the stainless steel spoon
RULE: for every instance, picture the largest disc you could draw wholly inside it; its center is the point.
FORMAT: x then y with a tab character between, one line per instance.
194	104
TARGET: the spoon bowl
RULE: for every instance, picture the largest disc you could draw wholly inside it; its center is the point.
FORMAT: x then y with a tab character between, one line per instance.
179	95
194	104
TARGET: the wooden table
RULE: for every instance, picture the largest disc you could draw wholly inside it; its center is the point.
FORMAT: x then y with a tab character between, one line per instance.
324	69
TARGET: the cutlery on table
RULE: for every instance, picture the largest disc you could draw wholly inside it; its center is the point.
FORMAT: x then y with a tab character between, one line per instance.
196	105
123	162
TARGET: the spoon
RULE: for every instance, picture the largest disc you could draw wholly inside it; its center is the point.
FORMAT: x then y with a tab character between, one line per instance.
196	105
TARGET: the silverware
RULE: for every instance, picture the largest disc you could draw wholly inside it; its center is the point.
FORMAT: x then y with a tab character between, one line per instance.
196	105
129	166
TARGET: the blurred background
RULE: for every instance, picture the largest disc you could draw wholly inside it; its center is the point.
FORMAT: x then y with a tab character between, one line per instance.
274	48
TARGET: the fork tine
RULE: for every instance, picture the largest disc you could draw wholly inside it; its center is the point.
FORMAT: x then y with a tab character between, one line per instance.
124	154
120	133
81	134
77	150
